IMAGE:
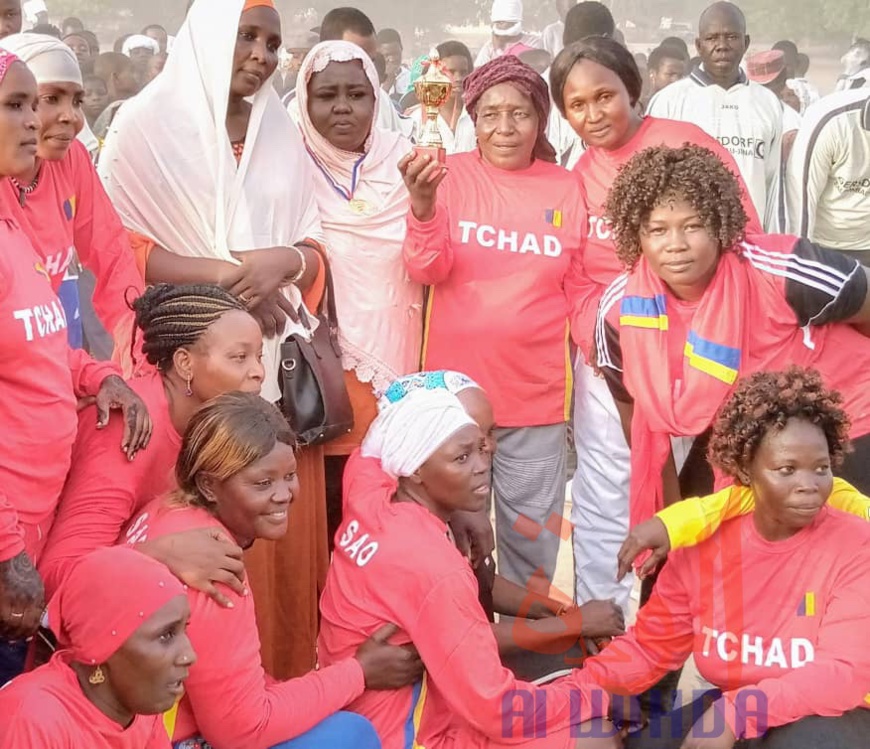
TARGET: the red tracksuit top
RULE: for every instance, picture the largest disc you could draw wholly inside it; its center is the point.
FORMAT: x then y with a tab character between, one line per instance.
394	564
69	212
780	628
40	379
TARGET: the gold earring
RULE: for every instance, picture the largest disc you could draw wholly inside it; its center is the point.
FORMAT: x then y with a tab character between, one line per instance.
189	392
97	676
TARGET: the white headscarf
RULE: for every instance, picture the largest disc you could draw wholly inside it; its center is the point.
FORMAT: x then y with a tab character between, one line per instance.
139	41
408	432
49	59
507	11
169	168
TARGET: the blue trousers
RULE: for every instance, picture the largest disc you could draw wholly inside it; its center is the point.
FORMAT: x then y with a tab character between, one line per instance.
340	731
12	658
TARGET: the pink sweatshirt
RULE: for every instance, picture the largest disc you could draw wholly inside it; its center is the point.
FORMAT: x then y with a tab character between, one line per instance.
47	709
780	628
104	490
69	213
504	258
40	379
394	564
228	699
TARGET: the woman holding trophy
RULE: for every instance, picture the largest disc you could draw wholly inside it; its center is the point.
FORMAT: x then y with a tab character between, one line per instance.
498	234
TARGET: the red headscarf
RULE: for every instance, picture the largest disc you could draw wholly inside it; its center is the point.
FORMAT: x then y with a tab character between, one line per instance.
510	69
108	595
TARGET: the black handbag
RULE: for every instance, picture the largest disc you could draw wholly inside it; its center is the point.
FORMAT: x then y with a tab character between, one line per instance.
313	392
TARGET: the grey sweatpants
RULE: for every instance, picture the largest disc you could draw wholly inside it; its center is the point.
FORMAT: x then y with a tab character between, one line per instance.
529	487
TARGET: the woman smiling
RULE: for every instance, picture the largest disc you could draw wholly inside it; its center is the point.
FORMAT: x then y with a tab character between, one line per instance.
237	473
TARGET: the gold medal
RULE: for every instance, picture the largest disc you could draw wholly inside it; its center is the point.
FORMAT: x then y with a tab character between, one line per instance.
361	207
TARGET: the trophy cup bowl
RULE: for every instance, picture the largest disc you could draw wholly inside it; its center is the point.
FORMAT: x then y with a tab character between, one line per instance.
433	88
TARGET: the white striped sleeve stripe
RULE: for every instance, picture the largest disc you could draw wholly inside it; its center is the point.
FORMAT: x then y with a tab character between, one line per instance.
611	296
807	272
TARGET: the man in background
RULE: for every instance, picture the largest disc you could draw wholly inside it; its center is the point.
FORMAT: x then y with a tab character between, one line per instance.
398	76
806	93
828	175
121	82
297	44
551	36
10	17
506	18
856	66
667	64
743	115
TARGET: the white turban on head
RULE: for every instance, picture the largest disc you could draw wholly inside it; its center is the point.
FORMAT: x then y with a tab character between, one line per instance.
48	58
140	41
508	11
408	432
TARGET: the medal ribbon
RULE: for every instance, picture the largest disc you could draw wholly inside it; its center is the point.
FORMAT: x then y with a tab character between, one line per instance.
344	192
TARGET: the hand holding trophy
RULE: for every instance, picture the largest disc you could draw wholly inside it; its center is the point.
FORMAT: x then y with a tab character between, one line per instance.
433	88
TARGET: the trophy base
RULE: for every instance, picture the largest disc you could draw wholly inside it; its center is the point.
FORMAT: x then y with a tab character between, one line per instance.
436	153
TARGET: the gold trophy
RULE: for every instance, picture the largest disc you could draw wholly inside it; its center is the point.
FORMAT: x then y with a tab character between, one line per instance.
433	88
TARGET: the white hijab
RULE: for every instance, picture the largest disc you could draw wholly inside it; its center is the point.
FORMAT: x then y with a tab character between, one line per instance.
169	168
408	432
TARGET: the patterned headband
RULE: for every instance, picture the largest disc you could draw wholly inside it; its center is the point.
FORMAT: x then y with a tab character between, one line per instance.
6	60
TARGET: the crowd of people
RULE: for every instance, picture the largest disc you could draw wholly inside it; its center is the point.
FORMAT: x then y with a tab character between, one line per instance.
662	259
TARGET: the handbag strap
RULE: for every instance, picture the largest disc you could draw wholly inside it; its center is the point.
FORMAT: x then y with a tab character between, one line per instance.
326	310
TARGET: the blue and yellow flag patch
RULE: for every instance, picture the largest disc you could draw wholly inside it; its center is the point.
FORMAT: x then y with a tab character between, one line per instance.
553	217
714	359
807	606
69	208
644	312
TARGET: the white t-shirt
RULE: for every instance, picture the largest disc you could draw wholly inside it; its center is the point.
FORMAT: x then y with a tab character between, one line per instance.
464	139
551	38
746	119
488	52
828	185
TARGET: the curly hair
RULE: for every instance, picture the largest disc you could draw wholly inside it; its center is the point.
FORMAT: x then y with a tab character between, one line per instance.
766	401
691	173
172	317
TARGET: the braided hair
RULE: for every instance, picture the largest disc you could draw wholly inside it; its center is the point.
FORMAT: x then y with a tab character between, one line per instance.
171	317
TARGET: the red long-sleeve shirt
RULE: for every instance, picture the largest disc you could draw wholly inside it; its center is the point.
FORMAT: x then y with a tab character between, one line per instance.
504	258
228	698
780	628
104	490
46	709
597	168
70	213
40	379
394	564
